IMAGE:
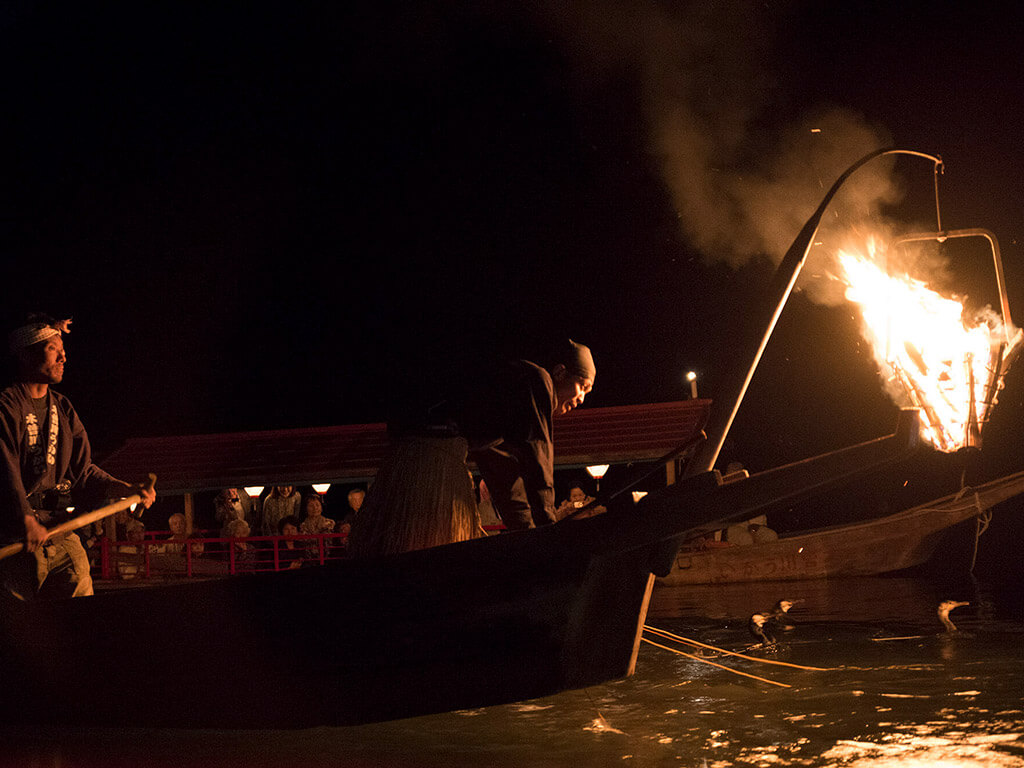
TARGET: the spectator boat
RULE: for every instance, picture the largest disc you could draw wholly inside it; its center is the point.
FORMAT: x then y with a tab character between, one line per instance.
885	544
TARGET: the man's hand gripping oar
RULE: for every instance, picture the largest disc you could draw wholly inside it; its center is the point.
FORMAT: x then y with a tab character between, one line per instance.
145	495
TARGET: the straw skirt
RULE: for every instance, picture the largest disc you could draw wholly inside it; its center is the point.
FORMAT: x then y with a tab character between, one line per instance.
421	497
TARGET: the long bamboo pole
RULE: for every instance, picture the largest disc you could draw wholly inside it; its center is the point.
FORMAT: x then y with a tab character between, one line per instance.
83	520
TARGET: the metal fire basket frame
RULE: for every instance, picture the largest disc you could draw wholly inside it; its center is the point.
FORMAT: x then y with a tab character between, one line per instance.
1003	354
780	289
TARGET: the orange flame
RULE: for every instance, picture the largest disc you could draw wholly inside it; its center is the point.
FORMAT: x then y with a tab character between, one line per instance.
937	360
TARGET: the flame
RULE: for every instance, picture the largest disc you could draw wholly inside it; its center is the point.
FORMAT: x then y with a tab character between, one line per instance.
936	358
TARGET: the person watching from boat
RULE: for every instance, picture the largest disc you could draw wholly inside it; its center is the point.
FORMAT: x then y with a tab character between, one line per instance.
355	497
228	506
315	524
423	494
488	515
282	501
47	466
124	522
578	499
229	509
175	543
289	555
243	555
313	521
129	555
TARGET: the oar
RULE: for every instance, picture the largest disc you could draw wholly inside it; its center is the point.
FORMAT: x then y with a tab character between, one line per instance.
83	520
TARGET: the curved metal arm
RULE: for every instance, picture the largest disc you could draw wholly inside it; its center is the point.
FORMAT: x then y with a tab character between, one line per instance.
997	258
782	285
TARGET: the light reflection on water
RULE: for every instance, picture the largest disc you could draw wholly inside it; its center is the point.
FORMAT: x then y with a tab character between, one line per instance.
930	699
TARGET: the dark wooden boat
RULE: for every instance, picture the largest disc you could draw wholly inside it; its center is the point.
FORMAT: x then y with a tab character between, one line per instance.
886	544
488	621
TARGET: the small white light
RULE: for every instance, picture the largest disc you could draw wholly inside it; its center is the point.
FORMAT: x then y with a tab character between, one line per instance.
800	551
321	488
691	376
637	495
70	510
597	471
253	490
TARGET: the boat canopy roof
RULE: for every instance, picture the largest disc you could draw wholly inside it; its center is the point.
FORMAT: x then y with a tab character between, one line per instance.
352	453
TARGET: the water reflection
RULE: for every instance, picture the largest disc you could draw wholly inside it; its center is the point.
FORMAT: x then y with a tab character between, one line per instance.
928	698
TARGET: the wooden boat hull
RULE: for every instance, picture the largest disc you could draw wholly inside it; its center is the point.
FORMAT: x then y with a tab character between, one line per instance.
884	545
341	644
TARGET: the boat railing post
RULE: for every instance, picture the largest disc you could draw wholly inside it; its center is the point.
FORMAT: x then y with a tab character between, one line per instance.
231	556
320	545
277	558
105	558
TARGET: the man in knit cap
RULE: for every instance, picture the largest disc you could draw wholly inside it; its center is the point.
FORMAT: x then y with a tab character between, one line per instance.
46	466
423	494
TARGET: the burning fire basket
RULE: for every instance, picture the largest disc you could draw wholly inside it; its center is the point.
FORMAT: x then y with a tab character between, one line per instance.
954	386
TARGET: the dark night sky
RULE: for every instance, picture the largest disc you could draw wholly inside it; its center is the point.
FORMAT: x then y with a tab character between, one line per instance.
269	215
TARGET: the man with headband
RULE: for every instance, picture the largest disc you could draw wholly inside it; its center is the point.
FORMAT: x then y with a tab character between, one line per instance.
46	465
423	494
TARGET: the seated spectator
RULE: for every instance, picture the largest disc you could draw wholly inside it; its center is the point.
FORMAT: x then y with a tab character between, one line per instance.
130	557
282	502
488	515
245	560
315	524
578	499
175	543
288	554
124	523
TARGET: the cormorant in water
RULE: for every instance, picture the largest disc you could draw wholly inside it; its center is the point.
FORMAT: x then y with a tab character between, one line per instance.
761	629
779	615
763	626
944	608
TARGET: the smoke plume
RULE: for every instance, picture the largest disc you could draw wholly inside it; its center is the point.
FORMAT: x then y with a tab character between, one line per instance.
742	178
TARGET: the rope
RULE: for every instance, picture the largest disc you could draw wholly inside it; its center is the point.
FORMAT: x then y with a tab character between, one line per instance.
713	664
687	640
981	523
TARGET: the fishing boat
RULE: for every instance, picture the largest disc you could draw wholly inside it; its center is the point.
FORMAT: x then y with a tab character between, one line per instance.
487	621
881	545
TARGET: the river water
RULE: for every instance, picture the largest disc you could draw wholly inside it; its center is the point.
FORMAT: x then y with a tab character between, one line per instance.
891	687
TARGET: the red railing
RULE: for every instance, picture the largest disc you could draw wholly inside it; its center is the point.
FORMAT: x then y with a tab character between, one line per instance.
213	556
157	557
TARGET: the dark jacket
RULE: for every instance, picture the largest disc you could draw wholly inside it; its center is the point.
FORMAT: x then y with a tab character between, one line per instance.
35	459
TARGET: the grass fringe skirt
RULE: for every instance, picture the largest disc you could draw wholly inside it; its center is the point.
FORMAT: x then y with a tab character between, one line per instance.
421	497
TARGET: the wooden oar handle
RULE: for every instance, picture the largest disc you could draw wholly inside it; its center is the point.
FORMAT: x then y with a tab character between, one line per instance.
83	520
